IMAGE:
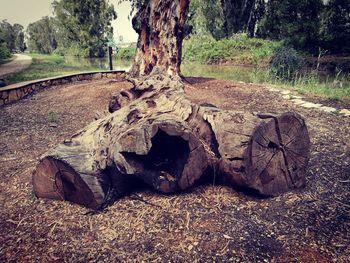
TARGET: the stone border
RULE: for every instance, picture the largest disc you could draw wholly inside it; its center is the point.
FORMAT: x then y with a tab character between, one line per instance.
15	92
300	102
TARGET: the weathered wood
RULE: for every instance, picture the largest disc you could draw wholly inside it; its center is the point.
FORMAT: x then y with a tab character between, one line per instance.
160	25
266	153
78	170
163	152
157	135
109	153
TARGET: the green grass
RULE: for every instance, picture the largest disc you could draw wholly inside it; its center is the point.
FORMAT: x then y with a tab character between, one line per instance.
237	50
332	88
336	89
45	66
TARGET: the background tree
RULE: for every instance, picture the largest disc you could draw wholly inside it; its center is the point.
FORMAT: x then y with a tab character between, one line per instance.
12	35
335	29
295	21
4	49
83	26
161	29
223	18
240	15
206	18
20	43
11	39
42	35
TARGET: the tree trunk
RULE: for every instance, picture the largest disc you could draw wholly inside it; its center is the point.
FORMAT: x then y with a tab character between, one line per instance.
160	137
266	153
156	135
160	26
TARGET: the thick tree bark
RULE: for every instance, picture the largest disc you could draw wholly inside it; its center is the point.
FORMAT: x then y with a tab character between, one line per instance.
266	153
160	26
160	137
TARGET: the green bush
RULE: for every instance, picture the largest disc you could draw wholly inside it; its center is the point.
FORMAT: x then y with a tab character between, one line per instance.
127	53
4	52
59	51
238	49
77	51
285	63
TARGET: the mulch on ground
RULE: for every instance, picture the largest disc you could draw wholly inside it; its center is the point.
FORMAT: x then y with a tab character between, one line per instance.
207	223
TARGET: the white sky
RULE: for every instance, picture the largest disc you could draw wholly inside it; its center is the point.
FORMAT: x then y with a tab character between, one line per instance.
25	12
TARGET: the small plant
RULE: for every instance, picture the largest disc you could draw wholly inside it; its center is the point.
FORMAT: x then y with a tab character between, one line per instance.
4	52
53	117
127	53
285	63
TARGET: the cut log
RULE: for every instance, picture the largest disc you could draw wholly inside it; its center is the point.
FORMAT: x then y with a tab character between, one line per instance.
157	135
265	153
106	156
75	172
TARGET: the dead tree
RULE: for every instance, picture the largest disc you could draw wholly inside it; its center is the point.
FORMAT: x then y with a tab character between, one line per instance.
154	133
157	135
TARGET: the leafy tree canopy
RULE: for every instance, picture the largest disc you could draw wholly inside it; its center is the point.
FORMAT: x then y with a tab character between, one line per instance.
84	26
12	36
42	35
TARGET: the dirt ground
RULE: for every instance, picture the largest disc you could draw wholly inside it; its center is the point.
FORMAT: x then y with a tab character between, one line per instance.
20	63
208	223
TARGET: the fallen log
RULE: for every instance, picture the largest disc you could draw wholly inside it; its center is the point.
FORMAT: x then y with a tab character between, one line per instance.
265	153
157	135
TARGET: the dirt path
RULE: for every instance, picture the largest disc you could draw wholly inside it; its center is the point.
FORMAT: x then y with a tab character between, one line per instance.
208	223
20	63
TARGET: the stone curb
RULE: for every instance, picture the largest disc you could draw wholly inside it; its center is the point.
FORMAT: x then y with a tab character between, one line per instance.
15	92
300	102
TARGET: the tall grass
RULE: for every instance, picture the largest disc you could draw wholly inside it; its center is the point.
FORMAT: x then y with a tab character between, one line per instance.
238	49
336	88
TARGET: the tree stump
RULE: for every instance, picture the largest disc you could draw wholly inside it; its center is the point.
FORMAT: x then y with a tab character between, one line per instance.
265	153
157	135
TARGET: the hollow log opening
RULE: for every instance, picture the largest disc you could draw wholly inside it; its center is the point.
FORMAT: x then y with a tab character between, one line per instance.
165	161
165	154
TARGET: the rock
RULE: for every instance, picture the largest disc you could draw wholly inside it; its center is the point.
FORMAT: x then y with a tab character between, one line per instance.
296	97
310	105
345	112
299	101
13	96
286	97
97	76
4	95
272	89
286	92
328	109
2	83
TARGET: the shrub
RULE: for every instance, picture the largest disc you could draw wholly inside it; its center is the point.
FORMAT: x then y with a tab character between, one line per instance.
285	63
4	52
127	53
238	49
